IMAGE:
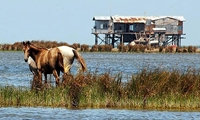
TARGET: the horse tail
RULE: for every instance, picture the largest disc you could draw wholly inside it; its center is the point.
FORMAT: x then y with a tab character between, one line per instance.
80	59
60	61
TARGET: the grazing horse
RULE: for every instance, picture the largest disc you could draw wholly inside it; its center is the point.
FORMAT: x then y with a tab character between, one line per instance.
53	60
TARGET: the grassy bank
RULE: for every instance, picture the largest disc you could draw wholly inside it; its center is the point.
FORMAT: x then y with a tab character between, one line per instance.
138	48
155	89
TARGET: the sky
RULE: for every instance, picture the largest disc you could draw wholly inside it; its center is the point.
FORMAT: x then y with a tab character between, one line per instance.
71	20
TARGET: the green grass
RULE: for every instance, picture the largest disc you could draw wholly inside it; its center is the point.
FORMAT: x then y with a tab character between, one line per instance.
148	89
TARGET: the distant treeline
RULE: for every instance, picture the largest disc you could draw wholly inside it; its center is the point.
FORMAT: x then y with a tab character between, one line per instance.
17	46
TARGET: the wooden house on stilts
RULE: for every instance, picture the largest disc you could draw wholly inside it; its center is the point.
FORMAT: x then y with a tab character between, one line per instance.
151	30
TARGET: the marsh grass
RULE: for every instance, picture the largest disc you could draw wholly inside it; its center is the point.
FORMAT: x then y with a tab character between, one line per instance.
148	89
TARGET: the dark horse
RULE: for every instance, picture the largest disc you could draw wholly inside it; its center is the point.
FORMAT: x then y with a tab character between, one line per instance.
53	60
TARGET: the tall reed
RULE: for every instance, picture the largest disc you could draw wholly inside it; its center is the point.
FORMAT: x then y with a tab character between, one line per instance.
148	89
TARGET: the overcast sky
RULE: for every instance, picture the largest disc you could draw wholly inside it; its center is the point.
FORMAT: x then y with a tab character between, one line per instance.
71	21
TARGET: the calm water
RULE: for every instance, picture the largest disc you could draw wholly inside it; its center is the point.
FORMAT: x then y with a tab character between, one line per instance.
92	114
14	71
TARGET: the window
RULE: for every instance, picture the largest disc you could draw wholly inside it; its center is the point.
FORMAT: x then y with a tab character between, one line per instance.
101	26
180	28
131	27
105	26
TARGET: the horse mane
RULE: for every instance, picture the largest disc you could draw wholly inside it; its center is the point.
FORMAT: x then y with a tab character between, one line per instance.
38	47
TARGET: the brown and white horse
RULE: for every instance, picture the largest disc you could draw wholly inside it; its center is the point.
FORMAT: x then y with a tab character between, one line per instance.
53	60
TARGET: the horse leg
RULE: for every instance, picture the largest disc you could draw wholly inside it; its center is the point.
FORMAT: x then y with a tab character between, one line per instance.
39	81
58	72
55	74
45	75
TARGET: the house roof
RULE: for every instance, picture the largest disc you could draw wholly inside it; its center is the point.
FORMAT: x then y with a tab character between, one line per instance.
128	19
101	18
180	18
135	19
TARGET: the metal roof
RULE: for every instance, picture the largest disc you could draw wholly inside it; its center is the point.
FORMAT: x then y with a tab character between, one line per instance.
180	18
101	18
135	19
128	19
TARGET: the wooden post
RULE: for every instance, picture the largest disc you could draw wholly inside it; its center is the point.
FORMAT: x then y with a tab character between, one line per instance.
113	40
96	39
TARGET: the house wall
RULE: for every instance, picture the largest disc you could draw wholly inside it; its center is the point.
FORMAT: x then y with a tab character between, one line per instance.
119	27
180	27
166	21
101	27
170	29
137	27
103	24
172	26
134	27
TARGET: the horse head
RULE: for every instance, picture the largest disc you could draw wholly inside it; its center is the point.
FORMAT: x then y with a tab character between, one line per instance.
26	49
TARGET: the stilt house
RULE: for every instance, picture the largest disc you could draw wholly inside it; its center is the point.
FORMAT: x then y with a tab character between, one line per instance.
151	30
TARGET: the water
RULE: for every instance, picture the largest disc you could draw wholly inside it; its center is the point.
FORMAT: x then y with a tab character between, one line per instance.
92	114
14	71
